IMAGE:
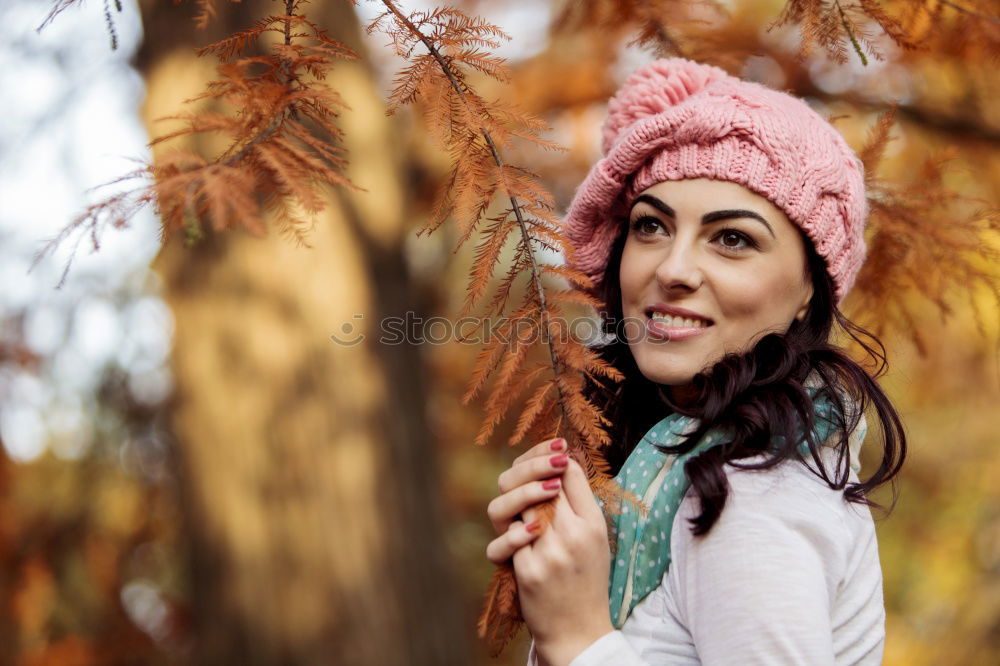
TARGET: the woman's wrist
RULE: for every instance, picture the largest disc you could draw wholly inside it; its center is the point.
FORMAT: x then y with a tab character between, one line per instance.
561	650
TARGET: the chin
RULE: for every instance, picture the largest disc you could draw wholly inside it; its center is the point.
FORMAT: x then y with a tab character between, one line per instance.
666	374
668	378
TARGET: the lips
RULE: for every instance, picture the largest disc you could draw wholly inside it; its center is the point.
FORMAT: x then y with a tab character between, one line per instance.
678	313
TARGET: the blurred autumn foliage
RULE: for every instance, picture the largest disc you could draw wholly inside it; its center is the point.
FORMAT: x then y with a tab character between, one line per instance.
295	500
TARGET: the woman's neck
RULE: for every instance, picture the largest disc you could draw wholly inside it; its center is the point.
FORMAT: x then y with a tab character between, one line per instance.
683	395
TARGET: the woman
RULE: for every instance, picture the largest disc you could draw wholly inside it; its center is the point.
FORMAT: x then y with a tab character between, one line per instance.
722	228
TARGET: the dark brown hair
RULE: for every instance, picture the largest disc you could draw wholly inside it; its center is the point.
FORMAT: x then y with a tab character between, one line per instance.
758	396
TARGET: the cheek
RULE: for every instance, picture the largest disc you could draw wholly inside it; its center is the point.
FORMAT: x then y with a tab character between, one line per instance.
758	296
630	277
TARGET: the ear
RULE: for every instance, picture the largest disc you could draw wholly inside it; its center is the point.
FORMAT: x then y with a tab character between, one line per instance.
804	308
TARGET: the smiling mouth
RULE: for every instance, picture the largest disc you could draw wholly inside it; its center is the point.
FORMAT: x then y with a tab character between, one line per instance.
673	321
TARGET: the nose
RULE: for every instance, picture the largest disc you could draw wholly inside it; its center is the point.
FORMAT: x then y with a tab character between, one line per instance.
680	268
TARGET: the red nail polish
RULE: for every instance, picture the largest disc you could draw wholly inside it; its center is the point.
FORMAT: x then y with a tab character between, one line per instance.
551	484
558	444
560	460
533	526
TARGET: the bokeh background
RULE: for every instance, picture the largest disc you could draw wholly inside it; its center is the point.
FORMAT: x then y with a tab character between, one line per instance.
193	471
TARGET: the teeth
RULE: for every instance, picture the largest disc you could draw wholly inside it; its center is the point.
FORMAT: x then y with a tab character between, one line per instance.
678	321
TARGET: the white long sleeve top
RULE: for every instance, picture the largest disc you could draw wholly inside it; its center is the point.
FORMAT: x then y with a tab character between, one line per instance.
789	574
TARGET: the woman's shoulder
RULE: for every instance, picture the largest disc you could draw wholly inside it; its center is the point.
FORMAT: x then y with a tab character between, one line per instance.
792	480
787	554
785	510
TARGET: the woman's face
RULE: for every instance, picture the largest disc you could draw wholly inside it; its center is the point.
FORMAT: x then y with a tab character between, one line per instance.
708	268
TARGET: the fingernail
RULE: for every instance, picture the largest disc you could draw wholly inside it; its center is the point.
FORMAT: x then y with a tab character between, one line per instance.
533	526
560	460
551	484
558	444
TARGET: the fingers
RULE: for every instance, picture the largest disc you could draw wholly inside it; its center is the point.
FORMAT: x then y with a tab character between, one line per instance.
516	537
503	509
533	478
578	492
549	446
531	469
530	475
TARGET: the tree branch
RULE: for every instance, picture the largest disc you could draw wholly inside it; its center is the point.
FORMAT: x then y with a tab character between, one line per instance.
557	364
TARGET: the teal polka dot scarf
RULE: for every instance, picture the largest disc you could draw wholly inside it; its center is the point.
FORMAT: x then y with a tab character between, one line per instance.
658	479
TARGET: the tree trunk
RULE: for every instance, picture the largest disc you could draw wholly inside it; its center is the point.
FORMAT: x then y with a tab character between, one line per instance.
308	477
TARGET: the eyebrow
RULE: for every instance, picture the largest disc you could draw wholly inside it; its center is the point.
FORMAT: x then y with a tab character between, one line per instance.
707	218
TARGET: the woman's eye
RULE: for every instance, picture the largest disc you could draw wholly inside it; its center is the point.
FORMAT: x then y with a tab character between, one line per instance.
646	225
735	240
730	239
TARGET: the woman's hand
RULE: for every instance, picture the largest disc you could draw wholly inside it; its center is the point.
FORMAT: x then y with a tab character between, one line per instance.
532	478
562	577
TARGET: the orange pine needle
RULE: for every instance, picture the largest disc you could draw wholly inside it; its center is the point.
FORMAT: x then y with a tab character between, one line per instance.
474	131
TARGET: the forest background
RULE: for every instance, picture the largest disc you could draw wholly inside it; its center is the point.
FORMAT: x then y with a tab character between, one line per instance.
194	471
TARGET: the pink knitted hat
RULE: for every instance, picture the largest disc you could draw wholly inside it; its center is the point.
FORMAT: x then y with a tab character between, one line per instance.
675	119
